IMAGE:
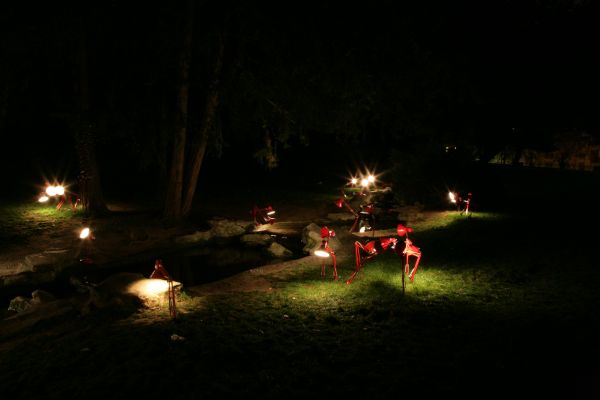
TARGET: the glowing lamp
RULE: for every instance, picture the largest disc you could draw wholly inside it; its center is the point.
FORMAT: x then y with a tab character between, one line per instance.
324	251
51	190
353	181
85	233
60	190
370	179
403	230
364	182
161	274
452	197
263	215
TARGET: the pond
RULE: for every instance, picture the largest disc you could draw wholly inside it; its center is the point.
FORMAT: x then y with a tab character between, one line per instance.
190	266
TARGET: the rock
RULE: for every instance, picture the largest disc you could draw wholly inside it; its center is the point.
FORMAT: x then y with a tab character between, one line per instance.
19	304
224	228
41	296
341	217
114	291
311	237
198	237
279	251
254	239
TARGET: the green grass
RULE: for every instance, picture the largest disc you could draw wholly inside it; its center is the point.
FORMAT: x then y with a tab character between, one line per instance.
20	221
498	306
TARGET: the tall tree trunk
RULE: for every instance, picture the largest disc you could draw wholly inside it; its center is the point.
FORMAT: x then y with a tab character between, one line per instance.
199	148
173	208
90	188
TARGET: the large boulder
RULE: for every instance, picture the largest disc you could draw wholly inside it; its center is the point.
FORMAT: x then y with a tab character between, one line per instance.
311	237
256	239
225	228
278	251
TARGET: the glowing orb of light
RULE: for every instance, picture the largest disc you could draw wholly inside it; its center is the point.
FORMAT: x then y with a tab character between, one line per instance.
60	190
364	182
363	229
321	253
452	198
371	178
354	181
151	288
85	233
43	199
51	190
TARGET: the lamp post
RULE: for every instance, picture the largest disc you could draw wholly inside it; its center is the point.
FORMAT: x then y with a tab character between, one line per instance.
324	251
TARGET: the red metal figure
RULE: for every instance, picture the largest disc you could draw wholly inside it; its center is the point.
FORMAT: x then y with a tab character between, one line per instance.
375	247
74	203
263	215
161	273
324	251
462	205
363	219
467	202
372	248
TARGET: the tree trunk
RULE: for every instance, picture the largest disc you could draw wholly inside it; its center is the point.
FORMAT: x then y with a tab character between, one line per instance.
90	189
199	148
173	209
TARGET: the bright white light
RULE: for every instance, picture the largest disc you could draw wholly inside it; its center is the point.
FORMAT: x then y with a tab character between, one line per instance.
364	182
321	253
60	190
85	232
43	199
452	198
362	229
271	212
51	190
354	181
151	287
371	178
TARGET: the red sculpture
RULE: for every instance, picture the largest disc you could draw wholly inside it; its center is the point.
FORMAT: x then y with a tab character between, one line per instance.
363	219
375	247
161	273
263	215
324	251
462	205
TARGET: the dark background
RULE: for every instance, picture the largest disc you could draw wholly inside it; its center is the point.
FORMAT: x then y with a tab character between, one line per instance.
341	86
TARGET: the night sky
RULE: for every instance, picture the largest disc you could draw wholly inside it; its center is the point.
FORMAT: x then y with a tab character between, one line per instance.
327	79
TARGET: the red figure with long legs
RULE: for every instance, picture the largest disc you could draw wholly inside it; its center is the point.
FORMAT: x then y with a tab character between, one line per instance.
375	247
324	251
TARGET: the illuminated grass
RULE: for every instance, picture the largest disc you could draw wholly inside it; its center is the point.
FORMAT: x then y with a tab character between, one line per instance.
476	317
21	221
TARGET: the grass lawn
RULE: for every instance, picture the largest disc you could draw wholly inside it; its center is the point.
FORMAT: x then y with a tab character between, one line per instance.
503	304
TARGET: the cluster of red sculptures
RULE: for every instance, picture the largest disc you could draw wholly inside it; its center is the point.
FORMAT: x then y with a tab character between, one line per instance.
371	249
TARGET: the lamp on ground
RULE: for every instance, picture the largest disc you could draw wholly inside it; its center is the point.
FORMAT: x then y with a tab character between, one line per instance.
161	273
324	251
462	205
59	191
86	235
263	215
